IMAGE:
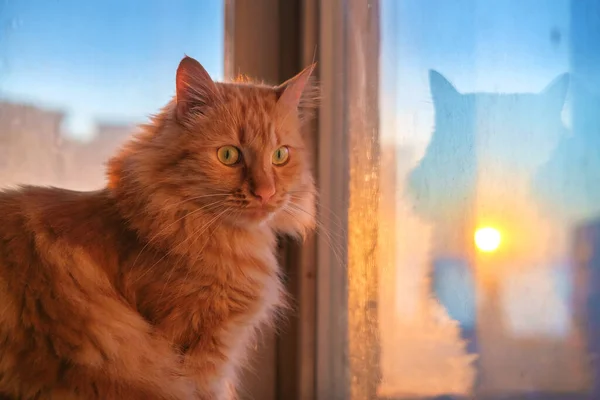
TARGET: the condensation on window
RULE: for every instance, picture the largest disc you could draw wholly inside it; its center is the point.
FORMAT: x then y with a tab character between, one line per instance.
489	228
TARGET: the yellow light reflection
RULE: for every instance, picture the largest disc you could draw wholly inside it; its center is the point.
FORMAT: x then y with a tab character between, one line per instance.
487	239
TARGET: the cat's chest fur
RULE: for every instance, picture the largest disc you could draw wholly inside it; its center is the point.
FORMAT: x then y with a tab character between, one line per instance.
219	292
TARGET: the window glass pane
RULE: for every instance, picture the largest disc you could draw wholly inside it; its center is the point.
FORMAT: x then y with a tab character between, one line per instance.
77	76
490	146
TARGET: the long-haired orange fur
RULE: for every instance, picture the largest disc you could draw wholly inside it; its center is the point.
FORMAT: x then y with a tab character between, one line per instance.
152	287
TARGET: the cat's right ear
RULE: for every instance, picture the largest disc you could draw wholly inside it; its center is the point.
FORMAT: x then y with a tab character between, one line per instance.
441	88
195	89
299	93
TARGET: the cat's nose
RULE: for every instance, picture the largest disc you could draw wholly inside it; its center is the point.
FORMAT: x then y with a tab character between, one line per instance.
264	193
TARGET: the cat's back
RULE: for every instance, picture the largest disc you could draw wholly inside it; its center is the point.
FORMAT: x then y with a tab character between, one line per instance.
49	235
57	301
34	219
30	206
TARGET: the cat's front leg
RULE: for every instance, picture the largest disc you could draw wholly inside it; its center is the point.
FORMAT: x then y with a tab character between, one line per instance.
211	376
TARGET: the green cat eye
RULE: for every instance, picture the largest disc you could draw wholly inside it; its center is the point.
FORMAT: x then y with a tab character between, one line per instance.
281	155
228	155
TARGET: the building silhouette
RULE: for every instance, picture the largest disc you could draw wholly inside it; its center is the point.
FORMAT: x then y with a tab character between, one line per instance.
34	150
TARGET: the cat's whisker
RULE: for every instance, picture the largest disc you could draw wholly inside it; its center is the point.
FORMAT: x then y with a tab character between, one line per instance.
323	211
318	223
337	250
190	199
177	246
336	220
335	247
163	230
318	215
200	251
204	207
194	235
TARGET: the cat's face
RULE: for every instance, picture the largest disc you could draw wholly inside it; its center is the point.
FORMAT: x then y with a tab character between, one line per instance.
240	152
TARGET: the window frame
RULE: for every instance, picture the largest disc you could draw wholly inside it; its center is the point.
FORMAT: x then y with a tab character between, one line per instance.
330	350
349	165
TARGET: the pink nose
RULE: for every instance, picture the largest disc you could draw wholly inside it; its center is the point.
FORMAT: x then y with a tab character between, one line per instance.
264	193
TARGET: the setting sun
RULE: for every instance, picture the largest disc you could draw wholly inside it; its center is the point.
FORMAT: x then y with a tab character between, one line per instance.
487	239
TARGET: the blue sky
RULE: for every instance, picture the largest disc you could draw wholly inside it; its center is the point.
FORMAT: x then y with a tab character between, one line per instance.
480	45
109	60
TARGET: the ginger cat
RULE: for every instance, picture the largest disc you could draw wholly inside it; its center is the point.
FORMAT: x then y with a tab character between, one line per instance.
152	287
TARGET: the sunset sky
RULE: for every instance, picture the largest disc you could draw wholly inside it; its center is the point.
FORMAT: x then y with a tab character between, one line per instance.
508	46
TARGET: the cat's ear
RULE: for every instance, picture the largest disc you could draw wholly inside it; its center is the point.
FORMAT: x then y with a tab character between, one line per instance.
299	92
556	92
441	88
195	89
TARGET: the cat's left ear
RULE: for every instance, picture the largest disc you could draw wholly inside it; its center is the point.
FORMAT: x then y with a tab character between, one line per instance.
556	92
299	92
195	89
